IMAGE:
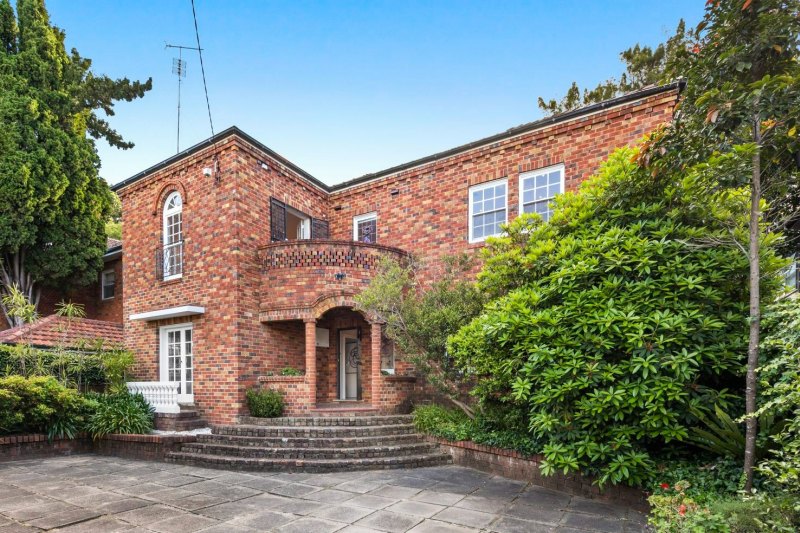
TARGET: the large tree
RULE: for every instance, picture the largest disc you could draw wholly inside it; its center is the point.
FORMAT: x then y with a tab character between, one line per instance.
643	66
737	127
53	204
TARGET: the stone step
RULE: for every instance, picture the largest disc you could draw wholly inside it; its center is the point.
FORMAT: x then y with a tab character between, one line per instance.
328	421
183	421
308	465
315	432
304	442
228	450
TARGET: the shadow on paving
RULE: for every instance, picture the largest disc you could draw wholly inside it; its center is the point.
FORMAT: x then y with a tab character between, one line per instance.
88	493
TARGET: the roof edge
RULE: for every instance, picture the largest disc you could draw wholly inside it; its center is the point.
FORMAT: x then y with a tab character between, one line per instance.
517	130
511	132
211	141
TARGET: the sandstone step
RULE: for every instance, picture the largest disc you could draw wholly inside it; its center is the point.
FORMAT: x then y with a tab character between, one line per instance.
308	465
315	432
328	421
228	450
304	442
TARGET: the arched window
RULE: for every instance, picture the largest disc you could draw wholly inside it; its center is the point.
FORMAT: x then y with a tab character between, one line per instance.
173	237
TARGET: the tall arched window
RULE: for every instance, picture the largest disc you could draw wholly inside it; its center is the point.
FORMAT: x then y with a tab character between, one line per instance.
173	237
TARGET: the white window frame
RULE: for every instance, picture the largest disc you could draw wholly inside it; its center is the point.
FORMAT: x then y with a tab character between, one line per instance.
480	187
366	217
103	284
165	226
533	173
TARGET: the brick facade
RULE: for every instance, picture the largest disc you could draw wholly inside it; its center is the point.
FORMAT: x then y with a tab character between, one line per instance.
263	301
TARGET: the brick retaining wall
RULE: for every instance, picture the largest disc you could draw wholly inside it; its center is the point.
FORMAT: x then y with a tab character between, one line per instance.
149	447
517	466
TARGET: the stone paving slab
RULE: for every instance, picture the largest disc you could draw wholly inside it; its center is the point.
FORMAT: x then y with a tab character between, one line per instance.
89	493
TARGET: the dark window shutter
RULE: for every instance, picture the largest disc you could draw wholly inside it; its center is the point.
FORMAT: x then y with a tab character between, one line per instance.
277	223
319	229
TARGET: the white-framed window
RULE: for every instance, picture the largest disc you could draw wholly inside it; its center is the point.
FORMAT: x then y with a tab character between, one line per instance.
172	258
487	209
387	355
365	227
538	188
108	281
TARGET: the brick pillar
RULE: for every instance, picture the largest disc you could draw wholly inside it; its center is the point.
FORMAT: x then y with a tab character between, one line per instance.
375	348
311	360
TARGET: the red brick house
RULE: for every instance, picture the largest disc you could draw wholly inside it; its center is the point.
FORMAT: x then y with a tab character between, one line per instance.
239	264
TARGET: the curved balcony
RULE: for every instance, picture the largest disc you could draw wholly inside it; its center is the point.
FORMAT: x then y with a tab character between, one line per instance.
303	278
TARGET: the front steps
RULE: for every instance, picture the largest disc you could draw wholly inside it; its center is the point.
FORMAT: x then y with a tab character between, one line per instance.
313	444
187	420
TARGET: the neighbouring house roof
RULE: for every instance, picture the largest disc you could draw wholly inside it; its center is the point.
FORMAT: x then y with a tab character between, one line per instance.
112	243
512	132
50	331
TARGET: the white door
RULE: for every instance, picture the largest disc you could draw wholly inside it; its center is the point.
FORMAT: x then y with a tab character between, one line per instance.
176	360
349	364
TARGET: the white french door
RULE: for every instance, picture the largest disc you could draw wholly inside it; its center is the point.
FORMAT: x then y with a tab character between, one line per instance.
176	359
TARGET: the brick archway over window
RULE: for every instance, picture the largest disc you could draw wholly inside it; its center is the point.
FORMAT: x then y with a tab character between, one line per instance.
167	189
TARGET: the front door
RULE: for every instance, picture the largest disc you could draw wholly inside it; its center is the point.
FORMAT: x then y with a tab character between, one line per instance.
176	359
349	364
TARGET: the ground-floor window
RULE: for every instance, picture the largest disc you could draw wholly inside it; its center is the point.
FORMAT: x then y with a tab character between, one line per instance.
387	355
176	359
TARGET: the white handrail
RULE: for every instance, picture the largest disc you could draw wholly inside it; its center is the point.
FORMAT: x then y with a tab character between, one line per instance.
162	395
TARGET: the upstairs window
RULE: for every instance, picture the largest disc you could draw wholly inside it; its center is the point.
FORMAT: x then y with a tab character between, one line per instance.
538	188
108	281
172	253
365	228
487	209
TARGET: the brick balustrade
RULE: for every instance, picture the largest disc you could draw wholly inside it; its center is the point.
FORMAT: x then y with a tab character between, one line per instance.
298	276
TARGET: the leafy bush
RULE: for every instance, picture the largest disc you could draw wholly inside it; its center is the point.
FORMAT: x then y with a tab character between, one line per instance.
119	413
39	405
455	425
610	323
291	371
265	403
704	478
780	380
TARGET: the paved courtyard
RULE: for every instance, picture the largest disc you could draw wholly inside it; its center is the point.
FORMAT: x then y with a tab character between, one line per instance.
89	493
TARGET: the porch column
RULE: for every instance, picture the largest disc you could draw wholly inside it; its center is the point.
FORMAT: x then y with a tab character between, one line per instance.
311	360
375	349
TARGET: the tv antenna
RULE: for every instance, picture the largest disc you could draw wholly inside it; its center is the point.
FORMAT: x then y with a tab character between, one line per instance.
179	69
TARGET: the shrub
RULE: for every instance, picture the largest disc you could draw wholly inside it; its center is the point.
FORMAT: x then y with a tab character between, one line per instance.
39	405
611	322
455	425
780	380
265	403
120	413
291	371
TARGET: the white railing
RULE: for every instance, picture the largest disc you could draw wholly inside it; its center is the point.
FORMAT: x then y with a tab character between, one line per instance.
162	395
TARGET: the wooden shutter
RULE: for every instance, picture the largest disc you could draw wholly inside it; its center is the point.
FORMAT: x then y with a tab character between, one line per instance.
319	229
277	224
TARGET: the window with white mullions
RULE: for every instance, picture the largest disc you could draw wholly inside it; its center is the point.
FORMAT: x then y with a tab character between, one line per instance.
173	237
538	188
487	209
365	228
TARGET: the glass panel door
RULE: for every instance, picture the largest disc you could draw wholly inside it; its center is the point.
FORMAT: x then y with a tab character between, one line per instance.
177	360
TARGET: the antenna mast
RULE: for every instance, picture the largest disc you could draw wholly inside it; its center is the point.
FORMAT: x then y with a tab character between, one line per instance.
179	69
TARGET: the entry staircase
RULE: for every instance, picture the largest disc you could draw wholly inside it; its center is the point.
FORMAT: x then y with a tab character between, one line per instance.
313	444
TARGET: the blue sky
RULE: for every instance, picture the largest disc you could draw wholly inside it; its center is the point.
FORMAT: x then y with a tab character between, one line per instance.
343	88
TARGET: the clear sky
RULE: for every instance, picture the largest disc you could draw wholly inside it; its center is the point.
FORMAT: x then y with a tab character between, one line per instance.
343	88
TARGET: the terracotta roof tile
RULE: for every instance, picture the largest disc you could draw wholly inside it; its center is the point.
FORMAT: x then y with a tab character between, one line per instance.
52	330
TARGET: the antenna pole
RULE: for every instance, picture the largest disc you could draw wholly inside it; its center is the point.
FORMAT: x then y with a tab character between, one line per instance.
179	69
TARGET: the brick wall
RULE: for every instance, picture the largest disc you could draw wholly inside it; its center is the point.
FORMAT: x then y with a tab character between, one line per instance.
514	465
425	209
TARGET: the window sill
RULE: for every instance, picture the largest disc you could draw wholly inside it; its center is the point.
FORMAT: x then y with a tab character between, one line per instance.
172	279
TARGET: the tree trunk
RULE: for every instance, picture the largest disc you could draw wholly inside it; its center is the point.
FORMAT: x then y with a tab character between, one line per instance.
755	310
14	274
